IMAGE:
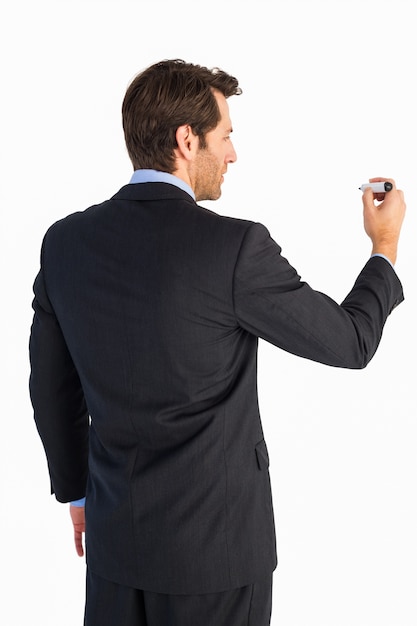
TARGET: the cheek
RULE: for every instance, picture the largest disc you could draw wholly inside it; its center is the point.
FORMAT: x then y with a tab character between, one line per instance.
219	150
221	154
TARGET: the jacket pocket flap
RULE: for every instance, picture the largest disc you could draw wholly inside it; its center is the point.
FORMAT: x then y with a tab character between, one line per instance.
262	456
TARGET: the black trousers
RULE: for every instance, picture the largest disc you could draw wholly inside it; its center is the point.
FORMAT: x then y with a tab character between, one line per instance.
109	604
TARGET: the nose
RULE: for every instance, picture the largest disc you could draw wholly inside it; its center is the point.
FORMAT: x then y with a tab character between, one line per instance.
231	155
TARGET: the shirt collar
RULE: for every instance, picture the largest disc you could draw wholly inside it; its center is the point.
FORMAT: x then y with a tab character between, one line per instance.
155	176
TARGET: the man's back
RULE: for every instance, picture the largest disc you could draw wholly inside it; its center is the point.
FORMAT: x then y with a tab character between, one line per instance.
142	286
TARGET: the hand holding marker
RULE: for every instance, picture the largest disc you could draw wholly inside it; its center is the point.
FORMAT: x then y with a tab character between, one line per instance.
381	187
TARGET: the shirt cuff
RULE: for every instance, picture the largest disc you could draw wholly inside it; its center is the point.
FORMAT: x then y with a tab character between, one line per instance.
79	503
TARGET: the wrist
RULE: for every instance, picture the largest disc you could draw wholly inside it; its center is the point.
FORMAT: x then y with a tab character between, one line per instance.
388	251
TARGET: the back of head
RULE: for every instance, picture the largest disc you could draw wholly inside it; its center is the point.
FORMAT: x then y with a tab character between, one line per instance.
165	96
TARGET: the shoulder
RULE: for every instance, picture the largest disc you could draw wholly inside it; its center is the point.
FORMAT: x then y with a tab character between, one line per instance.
246	229
74	220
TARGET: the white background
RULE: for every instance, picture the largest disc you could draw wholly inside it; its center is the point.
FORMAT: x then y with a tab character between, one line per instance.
329	101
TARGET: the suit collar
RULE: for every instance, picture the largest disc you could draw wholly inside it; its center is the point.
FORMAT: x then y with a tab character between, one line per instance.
152	191
156	176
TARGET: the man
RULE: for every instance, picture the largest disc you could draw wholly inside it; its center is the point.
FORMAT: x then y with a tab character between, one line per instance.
148	309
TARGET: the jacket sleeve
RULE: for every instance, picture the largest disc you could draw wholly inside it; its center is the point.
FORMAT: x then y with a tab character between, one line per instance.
57	397
272	302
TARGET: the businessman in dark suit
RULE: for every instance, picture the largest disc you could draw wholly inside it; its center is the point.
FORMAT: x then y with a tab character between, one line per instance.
148	309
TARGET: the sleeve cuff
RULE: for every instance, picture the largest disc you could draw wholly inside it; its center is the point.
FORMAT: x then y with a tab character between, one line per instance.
383	257
79	503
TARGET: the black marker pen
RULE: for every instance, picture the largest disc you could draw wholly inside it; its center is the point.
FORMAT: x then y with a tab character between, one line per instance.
377	187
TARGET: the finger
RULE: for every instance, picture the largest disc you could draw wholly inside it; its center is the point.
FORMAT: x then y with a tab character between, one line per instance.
383	179
78	543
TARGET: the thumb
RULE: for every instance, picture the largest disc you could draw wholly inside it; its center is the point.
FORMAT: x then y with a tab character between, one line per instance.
368	198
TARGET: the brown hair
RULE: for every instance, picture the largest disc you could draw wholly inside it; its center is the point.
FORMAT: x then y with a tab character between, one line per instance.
165	96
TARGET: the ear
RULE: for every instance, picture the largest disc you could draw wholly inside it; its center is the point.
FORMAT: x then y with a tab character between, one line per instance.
187	142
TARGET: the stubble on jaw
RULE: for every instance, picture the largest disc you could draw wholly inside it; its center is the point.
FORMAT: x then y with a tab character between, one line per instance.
207	176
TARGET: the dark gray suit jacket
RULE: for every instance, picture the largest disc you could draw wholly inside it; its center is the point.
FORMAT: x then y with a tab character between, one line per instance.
148	310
